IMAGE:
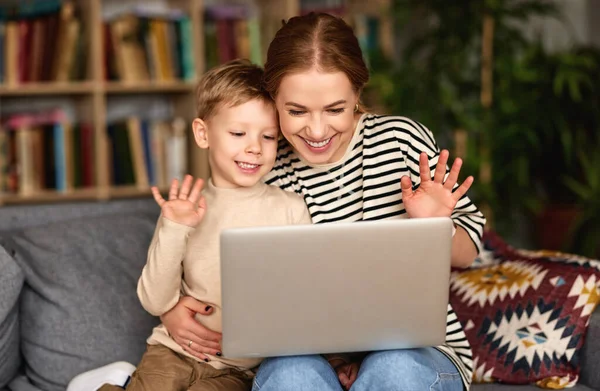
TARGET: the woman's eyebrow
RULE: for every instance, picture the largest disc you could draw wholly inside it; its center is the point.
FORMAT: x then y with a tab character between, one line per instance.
298	105
337	102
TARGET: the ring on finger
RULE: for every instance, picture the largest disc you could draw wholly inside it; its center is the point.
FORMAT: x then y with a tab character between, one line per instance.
189	344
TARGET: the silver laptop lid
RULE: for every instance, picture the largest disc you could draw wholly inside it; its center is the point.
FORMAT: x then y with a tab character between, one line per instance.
340	287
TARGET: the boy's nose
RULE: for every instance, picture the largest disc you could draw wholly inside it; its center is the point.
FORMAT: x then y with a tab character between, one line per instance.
254	147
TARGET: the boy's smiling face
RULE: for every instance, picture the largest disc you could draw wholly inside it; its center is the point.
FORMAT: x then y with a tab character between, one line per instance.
241	142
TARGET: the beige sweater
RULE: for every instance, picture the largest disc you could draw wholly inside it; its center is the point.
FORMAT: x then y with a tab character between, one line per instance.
185	261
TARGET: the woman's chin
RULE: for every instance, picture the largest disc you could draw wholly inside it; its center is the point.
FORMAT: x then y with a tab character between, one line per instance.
316	157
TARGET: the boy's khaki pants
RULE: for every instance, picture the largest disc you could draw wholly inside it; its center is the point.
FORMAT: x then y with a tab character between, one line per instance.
162	369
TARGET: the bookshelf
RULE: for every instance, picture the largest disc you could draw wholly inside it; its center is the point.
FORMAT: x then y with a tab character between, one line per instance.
92	97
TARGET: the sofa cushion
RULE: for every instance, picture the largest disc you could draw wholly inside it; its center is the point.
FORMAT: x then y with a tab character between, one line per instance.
525	313
11	282
79	308
505	387
590	373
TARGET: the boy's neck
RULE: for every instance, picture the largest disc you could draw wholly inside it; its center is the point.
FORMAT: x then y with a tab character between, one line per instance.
236	191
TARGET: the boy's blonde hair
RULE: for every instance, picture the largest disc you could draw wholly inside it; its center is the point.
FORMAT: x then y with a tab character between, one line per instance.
233	83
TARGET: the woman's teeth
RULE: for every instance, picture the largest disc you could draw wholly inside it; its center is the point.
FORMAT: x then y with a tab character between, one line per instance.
319	144
247	166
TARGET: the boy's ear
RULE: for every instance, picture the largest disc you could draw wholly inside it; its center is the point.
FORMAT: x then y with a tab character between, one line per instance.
200	133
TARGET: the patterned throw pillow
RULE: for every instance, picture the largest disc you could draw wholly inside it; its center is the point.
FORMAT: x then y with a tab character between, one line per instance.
525	313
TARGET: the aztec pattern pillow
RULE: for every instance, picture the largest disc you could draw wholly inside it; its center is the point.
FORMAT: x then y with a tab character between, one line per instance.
525	313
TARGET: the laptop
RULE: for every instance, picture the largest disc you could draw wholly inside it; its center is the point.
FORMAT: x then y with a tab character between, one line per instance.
339	287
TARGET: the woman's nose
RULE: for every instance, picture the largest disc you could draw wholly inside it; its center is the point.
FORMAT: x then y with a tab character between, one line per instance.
316	129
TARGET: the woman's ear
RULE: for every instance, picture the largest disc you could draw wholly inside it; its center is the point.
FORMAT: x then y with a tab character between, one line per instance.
200	133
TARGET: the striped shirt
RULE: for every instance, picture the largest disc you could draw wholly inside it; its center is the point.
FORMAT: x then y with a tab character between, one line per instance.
365	185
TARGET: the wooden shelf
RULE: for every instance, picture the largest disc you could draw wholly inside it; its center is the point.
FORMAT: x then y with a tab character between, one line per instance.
128	191
50	88
92	193
49	196
148	87
91	98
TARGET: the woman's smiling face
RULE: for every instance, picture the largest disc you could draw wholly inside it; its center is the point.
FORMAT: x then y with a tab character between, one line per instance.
317	114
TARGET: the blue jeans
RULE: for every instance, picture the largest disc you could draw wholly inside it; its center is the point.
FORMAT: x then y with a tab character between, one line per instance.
393	370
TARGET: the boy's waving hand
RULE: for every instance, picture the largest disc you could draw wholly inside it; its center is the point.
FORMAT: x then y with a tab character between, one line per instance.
186	205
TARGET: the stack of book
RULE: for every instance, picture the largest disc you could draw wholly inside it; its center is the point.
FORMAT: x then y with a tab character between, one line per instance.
44	150
144	152
231	31
143	45
41	42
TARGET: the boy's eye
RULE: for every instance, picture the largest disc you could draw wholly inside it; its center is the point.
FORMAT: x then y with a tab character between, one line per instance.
296	112
237	134
267	137
336	111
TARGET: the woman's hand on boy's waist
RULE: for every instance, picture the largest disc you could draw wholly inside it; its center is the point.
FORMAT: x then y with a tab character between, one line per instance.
190	334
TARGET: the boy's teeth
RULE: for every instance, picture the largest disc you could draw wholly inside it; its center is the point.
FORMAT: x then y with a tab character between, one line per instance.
319	144
247	165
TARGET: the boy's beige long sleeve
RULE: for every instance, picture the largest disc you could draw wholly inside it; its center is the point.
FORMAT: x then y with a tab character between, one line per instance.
194	253
159	286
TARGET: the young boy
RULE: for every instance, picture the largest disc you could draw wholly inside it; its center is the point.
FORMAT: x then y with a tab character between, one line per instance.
238	125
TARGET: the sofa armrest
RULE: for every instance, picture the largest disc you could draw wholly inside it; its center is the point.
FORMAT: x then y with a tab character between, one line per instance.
590	354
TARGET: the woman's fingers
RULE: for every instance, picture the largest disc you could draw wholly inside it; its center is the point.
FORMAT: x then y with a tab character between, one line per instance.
157	197
196	191
462	189
406	187
453	175
194	353
440	168
194	305
200	345
352	375
206	334
424	170
189	349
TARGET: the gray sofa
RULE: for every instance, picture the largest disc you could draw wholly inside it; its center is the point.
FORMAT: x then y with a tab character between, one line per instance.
68	274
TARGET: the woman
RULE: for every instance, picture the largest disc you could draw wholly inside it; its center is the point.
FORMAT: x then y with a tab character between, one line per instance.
350	166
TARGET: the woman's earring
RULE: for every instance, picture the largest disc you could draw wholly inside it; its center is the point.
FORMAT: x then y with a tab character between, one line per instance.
356	108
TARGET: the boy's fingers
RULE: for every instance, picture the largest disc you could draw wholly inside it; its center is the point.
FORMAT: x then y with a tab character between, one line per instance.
173	190
185	187
195	194
157	197
202	203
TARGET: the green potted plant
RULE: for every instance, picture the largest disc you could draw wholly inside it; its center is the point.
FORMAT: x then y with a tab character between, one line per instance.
567	139
585	230
533	127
